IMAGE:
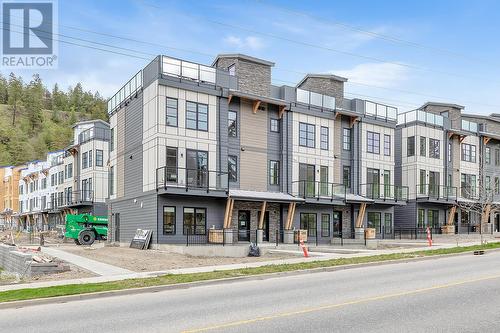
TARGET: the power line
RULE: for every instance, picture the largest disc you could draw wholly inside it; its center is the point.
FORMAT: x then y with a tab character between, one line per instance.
385	37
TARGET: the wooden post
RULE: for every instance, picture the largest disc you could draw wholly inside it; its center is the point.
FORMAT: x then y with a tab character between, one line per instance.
226	213
262	213
451	215
255	107
288	216
230	216
361	215
291	213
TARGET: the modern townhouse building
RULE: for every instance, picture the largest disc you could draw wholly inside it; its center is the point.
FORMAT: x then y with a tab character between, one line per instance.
446	158
198	147
9	194
73	180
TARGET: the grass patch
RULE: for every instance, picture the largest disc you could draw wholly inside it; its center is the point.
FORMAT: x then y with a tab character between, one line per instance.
25	294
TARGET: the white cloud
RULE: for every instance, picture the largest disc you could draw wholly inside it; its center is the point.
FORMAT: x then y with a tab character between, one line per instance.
380	74
249	42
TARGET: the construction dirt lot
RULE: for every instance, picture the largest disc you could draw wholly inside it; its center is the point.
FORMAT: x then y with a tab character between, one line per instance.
153	260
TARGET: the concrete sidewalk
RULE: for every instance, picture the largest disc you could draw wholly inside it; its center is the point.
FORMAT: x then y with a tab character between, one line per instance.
93	266
112	273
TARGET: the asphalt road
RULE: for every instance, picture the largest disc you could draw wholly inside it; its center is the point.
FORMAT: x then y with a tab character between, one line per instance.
457	294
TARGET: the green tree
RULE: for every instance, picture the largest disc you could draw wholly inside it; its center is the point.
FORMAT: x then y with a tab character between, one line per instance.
34	102
15	95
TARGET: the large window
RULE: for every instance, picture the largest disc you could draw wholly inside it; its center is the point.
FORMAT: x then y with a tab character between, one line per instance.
324	138
388	223
99	158
232	123
387	145
373	142
172	118
307	135
195	221
346	139
468	153
197	116
421	218
346	176
169	220
308	222
70	170
232	168
85	160
423	182
487	155
373	220
423	146
410	146
274	125
171	165
433	218
468	185
325	225
434	148
274	172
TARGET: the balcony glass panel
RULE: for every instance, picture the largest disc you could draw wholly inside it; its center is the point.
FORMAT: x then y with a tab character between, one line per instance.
316	99
328	102
207	74
303	96
371	108
171	66
392	113
189	70
381	110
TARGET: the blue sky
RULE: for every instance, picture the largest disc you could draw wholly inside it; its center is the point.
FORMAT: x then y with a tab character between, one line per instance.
397	52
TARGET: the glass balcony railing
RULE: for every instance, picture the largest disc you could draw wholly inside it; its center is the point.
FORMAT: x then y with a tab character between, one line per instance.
315	99
469	126
94	133
384	192
438	192
318	190
381	111
175	177
421	116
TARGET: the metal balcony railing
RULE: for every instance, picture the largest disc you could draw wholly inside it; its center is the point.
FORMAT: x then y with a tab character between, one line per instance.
174	177
434	191
384	192
318	190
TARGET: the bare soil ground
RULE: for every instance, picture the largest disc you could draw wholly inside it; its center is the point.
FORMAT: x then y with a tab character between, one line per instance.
153	260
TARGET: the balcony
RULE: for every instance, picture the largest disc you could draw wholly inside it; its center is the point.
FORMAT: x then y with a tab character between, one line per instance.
97	133
79	198
436	192
384	192
178	180
315	99
318	190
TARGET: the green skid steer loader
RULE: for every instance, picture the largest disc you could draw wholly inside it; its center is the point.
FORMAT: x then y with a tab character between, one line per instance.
84	229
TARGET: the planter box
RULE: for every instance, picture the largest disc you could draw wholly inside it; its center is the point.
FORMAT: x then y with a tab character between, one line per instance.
359	233
215	236
370	233
448	229
288	236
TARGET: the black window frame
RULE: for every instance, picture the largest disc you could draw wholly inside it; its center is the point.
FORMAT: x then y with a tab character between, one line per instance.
274	179
99	162
232	175
171	171
232	122
324	138
197	114
85	160
173	229
373	142
174	110
469	153
410	146
434	148
379	214
307	130
276	127
308	228
346	139
195	212
487	155
388	230
328	223
423	146
91	155
387	145
346	170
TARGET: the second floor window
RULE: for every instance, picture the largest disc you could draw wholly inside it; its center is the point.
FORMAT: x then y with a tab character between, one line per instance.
324	138
232	123
99	158
468	185
274	172
468	153
434	148
487	155
373	142
346	139
70	170
274	125
423	146
410	146
197	116
346	175
232	168
112	140
387	145
307	135
497	156
90	157
172	112
85	160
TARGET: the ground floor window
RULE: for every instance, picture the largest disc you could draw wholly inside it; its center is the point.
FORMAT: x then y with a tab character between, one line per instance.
388	223
374	220
433	218
195	221
168	220
465	217
308	222
421	218
325	225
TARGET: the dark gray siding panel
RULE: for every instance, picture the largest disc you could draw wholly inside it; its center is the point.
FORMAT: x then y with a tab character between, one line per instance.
405	216
274	145
230	145
133	148
151	72
140	213
398	176
215	214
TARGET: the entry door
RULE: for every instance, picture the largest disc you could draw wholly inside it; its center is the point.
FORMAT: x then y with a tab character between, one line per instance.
117	227
373	183
306	180
197	168
337	224
265	227
433	183
244	225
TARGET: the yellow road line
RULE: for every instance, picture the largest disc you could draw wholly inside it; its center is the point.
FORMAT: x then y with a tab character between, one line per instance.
338	305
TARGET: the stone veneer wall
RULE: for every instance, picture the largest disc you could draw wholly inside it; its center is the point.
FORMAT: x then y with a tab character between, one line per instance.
253	78
325	86
254	208
13	261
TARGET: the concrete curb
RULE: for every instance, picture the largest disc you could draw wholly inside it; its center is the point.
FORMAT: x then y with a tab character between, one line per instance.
152	289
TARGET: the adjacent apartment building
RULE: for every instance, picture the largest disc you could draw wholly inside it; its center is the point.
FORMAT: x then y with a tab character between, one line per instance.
9	194
73	180
197	147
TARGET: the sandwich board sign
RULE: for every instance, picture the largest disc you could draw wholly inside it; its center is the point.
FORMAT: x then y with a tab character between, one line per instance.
141	239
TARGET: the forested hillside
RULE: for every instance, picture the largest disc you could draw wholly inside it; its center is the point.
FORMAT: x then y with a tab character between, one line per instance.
35	119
